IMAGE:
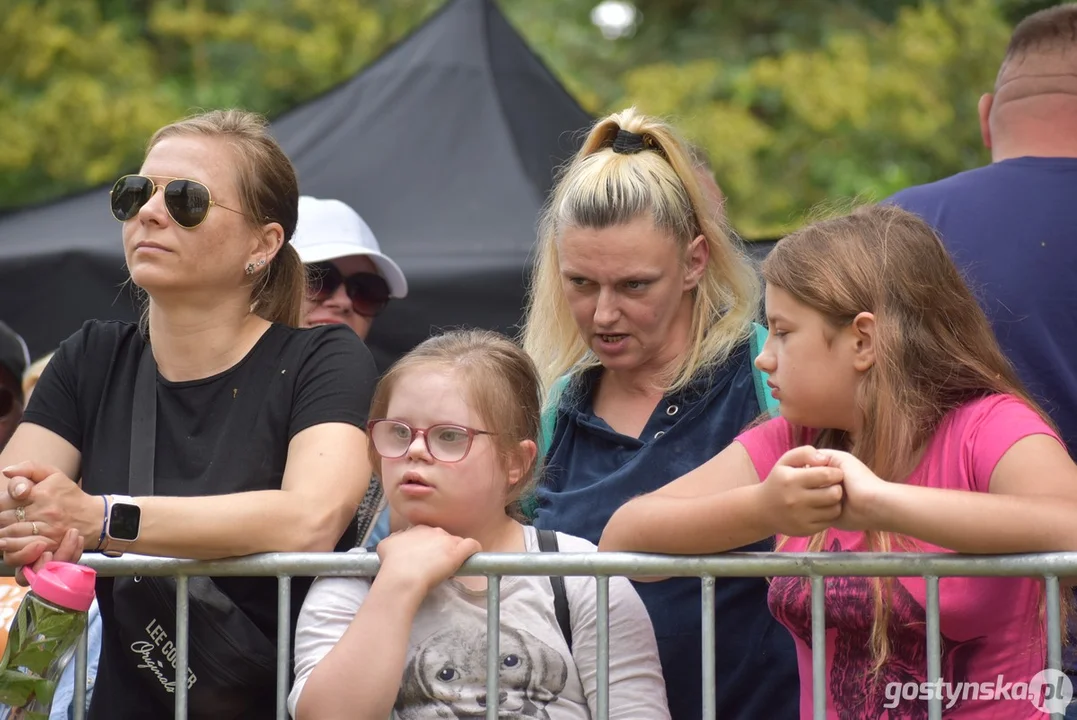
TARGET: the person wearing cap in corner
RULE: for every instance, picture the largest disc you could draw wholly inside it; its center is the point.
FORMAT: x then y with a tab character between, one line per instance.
351	279
351	282
14	357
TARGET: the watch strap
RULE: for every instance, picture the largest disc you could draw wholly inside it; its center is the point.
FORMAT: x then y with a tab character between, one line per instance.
114	547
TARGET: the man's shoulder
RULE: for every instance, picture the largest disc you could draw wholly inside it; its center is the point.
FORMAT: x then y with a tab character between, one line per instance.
917	197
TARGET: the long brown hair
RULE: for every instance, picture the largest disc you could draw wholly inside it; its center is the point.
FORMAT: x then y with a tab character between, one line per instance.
601	188
268	192
935	349
502	385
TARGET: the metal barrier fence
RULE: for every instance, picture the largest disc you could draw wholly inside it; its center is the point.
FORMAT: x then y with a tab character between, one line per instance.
602	566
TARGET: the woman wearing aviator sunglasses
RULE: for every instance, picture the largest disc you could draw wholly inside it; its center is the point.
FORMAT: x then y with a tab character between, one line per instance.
257	440
350	279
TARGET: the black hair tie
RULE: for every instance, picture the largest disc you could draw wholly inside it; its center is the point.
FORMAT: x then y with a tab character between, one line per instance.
627	142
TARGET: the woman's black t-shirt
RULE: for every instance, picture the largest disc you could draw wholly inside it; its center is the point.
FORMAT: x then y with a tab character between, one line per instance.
203	447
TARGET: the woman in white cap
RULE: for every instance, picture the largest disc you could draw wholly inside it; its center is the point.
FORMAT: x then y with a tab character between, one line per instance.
351	280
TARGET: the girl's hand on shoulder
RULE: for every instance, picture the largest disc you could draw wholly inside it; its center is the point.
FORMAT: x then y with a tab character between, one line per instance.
423	557
803	492
863	491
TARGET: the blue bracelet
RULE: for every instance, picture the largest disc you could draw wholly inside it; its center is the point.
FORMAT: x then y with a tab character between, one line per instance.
104	525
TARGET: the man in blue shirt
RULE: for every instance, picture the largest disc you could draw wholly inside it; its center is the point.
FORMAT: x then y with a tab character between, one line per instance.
1011	226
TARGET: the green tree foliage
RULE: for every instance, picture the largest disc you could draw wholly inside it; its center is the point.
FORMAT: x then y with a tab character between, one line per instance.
265	54
796	103
86	82
868	112
77	99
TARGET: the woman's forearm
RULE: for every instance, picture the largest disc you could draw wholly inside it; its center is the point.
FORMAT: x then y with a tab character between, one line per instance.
219	526
689	526
360	677
974	522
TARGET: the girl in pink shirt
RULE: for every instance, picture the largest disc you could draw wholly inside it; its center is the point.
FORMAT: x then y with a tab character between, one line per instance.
902	428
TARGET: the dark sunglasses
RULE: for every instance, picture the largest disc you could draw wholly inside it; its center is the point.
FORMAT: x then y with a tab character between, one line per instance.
368	292
187	201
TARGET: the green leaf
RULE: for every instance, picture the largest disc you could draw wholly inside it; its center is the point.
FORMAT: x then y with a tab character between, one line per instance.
35	658
29	657
16	689
44	690
59	624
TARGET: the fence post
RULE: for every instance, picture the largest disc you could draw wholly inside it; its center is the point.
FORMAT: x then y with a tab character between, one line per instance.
934	649
710	706
818	647
182	640
81	670
284	643
493	646
602	654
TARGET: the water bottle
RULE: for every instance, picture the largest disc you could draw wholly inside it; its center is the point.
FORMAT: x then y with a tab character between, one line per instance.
43	637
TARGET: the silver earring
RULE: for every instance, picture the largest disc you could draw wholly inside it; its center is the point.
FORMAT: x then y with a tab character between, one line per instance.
250	268
261	262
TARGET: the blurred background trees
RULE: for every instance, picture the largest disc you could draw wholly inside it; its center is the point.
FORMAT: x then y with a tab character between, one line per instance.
796	103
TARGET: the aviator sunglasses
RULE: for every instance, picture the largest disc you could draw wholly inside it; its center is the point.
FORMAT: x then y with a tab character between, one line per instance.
187	201
368	291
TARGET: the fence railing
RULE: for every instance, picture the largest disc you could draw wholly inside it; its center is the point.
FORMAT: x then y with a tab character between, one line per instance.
602	566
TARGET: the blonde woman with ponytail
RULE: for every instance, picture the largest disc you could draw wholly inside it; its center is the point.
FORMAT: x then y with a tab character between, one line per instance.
902	428
640	321
253	427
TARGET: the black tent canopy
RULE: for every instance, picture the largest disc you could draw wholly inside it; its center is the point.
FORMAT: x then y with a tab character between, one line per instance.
446	146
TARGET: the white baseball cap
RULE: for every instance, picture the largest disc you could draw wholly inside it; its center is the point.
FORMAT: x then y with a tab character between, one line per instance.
330	229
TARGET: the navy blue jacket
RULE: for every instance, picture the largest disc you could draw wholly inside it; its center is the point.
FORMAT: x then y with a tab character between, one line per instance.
592	470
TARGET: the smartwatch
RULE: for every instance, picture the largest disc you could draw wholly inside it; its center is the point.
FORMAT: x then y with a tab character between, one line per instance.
122	525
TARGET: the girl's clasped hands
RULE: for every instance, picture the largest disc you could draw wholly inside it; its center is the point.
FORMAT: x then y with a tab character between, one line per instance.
810	490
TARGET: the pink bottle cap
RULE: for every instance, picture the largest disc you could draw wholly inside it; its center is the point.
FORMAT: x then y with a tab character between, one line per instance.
65	584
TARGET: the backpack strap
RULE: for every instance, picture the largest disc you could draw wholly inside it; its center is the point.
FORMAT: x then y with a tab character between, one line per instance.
547	541
766	401
549	413
529	504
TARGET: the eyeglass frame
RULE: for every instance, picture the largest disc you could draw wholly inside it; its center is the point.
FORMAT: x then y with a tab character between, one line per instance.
209	194
472	433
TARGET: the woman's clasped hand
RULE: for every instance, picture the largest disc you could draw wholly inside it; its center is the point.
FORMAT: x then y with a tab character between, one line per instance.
39	509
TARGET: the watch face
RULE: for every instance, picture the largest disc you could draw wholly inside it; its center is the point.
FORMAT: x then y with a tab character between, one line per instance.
124	521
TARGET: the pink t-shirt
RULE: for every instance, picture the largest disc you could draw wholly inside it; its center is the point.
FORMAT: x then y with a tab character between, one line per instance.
991	628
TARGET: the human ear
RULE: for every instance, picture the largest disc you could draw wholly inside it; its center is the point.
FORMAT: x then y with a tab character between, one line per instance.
269	241
984	111
864	333
695	261
523	461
